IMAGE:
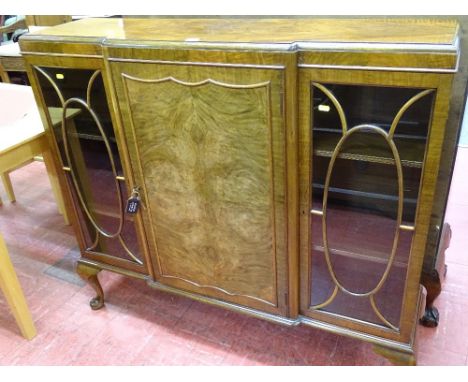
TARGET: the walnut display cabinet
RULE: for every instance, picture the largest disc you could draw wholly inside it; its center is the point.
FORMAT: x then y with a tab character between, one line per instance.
282	168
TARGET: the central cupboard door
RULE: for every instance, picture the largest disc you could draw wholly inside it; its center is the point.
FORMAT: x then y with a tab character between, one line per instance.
207	148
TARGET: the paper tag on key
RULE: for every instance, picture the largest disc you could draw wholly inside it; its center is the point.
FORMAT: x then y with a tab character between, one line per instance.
133	203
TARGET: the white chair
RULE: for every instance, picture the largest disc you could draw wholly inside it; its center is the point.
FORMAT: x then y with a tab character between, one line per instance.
22	138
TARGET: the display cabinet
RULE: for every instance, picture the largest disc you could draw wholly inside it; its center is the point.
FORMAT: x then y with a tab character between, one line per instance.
283	168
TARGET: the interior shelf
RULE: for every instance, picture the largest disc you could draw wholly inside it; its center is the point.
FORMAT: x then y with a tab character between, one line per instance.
92	137
384	126
370	195
376	257
377	150
356	242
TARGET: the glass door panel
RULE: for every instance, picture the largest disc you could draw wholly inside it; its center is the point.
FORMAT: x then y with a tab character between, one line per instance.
368	147
89	156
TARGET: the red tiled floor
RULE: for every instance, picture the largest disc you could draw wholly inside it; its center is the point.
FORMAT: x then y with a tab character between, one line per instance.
142	326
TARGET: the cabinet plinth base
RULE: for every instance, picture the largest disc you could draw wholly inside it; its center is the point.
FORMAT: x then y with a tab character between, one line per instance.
398	358
89	274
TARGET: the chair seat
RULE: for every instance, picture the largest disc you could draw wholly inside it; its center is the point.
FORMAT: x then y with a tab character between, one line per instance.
23	139
10	49
20	120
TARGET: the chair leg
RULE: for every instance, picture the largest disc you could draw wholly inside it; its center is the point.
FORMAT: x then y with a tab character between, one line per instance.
14	295
4	75
53	177
8	186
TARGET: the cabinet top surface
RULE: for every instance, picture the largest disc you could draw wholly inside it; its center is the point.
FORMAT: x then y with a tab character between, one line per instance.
259	31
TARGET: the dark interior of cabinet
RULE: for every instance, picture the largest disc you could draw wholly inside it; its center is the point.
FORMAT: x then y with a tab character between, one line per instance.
19	78
365	169
73	83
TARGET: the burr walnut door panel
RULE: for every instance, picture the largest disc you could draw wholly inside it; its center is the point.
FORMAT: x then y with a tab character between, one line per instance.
207	146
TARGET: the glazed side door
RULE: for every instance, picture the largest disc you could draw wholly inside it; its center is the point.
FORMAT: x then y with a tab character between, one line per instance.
207	146
370	148
73	100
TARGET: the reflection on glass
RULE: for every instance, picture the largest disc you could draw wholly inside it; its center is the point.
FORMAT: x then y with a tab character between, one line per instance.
359	257
88	149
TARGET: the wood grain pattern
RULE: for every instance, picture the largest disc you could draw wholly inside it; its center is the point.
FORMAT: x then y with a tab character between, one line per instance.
269	30
417	60
207	161
207	171
352	42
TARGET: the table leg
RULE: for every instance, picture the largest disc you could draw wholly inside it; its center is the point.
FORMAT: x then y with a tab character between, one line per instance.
8	186
14	295
53	177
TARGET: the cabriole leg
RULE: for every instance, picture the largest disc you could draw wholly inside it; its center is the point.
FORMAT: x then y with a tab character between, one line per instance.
433	286
89	274
432	279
